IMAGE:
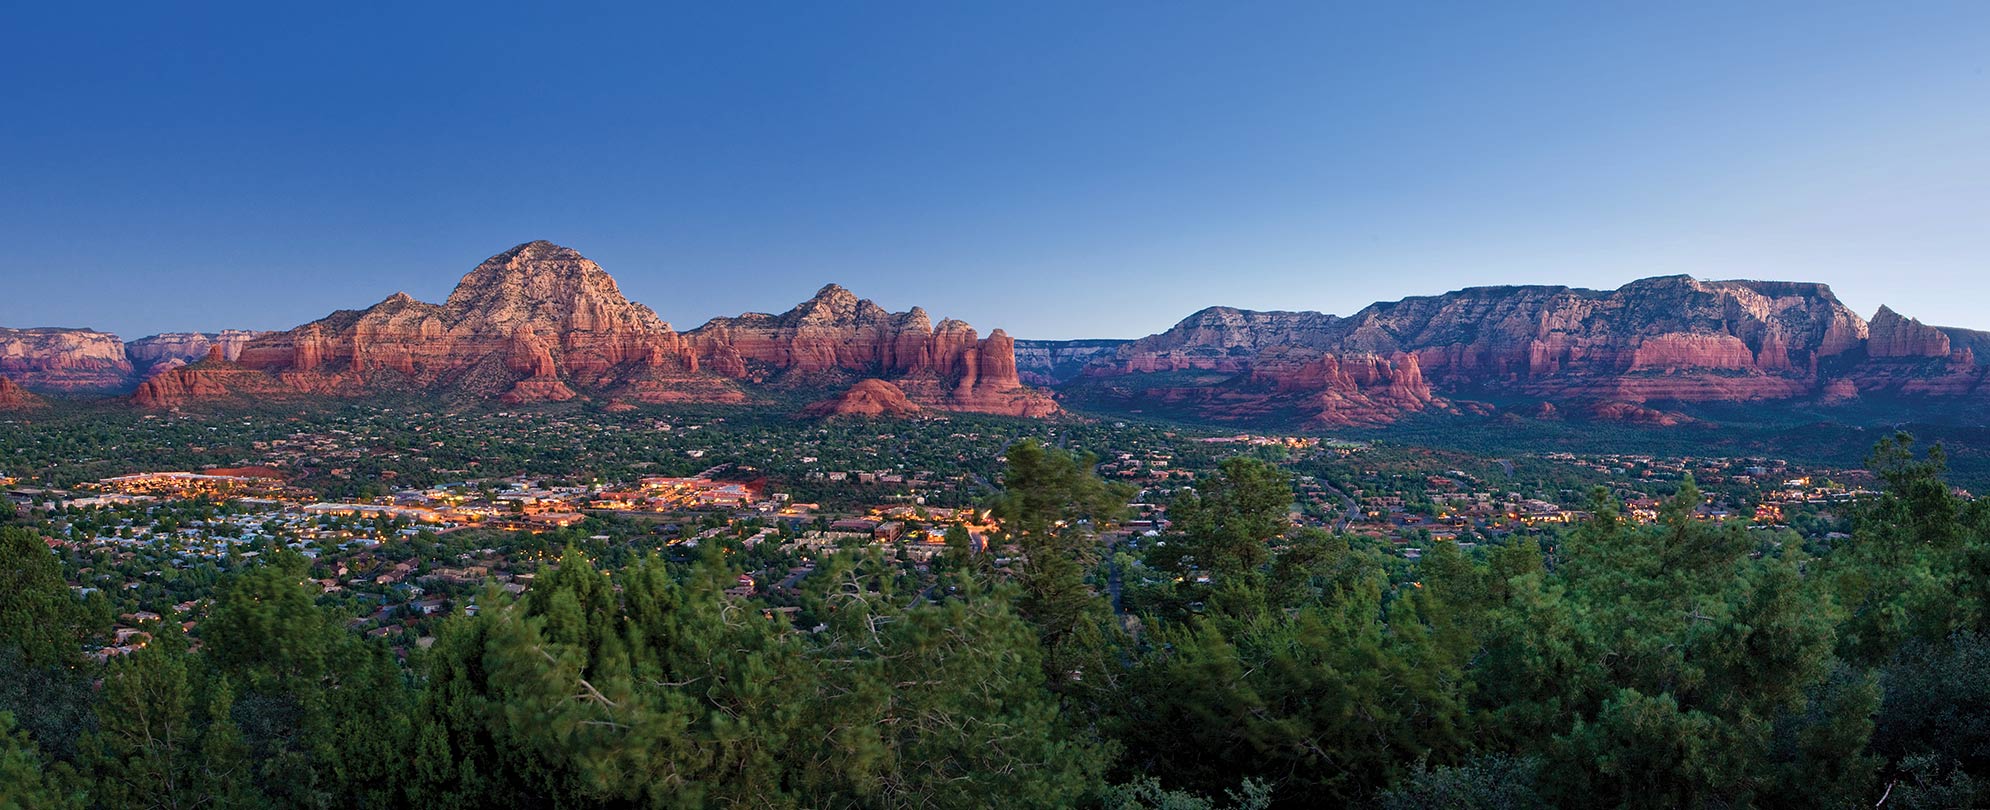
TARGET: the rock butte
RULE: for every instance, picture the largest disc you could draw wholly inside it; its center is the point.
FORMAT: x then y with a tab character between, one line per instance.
541	323
866	398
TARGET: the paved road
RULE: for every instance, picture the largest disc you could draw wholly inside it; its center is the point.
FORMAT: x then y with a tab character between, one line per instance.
1347	506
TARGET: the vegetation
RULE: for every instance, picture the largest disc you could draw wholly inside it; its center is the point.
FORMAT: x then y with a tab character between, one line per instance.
1234	661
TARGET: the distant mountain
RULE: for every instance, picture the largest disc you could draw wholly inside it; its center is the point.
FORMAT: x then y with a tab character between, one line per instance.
541	323
1053	362
1671	339
55	359
86	360
151	355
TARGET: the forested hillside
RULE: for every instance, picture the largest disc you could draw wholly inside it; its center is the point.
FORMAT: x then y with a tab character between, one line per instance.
1232	662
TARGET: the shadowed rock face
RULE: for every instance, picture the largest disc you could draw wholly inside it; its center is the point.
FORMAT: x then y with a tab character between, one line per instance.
1667	339
15	398
527	325
1054	362
541	323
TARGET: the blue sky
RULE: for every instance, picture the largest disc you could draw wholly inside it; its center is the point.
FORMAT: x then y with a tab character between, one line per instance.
1058	169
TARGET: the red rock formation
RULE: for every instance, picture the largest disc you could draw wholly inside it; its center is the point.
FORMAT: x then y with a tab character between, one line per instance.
1896	336
1356	389
836	335
990	384
540	323
538	389
531	324
1679	351
15	398
64	359
221	382
866	398
150	355
1671	339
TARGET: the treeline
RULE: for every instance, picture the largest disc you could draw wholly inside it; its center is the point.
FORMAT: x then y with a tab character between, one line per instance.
1235	662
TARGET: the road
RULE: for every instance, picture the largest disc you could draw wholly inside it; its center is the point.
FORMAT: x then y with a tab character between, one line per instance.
1347	507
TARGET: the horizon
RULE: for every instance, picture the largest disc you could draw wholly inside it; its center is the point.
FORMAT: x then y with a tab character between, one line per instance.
1060	173
682	327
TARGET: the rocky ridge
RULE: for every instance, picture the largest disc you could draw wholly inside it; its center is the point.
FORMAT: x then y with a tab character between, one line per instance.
1669	339
156	353
835	335
65	360
541	323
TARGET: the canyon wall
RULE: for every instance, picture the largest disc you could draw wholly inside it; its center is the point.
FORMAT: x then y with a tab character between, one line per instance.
71	360
1671	339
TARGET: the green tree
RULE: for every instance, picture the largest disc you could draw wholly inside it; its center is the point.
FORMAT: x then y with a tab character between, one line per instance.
1050	504
936	704
322	713
162	743
26	781
44	681
1228	523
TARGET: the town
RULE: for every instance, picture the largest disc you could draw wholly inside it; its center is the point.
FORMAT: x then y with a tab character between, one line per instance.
406	517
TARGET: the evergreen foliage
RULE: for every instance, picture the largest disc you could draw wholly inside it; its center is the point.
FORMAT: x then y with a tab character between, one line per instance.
1247	664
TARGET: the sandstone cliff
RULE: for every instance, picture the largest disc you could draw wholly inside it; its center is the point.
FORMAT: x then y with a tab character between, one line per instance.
1223	339
64	359
1668	339
15	398
530	324
836	335
150	355
541	323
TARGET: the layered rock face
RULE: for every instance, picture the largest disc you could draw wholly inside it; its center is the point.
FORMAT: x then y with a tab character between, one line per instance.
541	323
1225	339
64	359
1346	389
1667	339
866	398
1890	335
530	324
1672	337
15	398
1906	357
837	335
1054	362
151	355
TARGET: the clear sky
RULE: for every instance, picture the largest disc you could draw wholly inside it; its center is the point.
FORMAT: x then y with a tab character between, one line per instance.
1059	169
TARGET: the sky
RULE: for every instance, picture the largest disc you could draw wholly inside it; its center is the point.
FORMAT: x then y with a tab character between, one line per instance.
1061	170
